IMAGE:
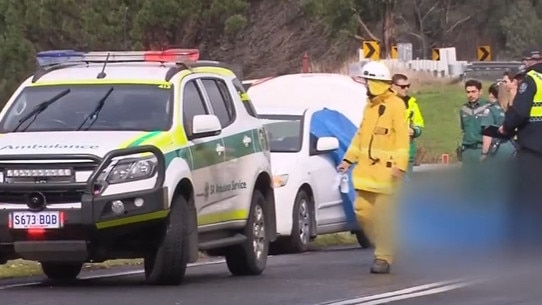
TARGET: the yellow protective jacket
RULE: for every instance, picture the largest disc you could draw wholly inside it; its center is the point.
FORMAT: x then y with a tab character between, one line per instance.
381	143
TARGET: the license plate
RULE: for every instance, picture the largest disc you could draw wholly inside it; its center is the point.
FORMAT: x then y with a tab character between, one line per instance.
38	220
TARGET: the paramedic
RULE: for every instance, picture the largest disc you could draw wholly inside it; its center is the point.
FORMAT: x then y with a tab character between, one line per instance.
414	116
492	148
379	152
471	116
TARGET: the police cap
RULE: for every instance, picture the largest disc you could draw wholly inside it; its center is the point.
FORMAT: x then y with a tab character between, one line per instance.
517	72
532	54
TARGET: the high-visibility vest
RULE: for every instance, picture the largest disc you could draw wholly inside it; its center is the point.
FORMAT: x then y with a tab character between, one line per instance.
536	109
413	114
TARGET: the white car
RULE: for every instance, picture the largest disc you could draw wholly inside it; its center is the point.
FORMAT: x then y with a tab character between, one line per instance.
308	201
335	91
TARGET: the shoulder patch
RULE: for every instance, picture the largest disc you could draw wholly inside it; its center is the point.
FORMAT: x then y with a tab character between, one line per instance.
486	112
522	87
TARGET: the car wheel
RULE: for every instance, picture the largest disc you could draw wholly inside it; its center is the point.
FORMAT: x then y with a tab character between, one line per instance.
299	239
59	271
250	257
363	240
167	264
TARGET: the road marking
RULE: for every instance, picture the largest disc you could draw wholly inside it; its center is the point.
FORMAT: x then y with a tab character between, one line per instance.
406	293
418	294
109	275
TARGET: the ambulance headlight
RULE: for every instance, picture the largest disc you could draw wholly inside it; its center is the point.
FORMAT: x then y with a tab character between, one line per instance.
132	170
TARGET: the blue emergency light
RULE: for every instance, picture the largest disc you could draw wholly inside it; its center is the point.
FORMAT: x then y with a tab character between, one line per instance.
55	57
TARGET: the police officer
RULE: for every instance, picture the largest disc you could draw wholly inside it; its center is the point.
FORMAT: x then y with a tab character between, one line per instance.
524	119
471	116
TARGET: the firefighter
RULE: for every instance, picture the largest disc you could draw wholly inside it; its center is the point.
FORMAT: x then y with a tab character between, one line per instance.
379	152
414	116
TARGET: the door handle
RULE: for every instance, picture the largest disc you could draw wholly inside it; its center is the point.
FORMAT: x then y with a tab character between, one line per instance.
219	149
247	141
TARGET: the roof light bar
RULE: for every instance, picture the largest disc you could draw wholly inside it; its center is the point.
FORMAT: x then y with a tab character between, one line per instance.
170	55
55	57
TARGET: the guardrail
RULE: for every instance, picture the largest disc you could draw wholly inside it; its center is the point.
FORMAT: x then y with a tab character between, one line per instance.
492	65
445	69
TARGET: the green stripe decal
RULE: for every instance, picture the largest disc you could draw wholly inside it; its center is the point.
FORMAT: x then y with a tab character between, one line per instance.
132	219
144	138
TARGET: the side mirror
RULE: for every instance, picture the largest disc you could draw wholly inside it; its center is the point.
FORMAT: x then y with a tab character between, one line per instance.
205	125
325	144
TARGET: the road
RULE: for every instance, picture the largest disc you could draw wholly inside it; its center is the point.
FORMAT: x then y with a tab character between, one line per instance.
334	277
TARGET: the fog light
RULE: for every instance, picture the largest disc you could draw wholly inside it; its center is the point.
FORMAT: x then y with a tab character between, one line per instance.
117	207
138	202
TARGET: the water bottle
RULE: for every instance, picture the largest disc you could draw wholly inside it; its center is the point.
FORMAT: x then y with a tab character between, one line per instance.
344	183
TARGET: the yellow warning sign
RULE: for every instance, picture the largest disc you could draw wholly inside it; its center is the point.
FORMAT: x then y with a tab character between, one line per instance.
435	55
371	50
394	52
484	53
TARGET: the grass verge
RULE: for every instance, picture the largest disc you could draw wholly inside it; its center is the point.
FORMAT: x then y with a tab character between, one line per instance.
331	240
24	268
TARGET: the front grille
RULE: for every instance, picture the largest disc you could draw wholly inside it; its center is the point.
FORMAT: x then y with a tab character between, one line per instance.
52	196
41	172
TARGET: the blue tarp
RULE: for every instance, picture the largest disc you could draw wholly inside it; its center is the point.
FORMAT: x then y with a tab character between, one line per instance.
331	123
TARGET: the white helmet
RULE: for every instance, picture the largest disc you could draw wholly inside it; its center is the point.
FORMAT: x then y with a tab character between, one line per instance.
376	70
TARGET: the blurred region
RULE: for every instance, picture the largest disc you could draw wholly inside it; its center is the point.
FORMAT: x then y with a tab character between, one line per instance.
457	219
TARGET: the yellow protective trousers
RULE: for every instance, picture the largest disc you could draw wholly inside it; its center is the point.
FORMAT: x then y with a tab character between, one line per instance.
376	215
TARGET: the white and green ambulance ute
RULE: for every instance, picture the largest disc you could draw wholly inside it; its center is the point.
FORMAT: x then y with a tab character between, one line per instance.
159	155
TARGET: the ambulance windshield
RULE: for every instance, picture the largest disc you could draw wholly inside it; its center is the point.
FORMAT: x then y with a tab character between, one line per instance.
119	107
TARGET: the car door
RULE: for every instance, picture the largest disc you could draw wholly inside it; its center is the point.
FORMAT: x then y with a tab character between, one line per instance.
238	145
207	154
329	206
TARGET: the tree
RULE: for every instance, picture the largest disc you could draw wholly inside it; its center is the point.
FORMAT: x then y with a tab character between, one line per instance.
519	27
350	18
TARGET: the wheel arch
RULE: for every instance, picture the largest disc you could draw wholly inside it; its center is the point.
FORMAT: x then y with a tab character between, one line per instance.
185	188
265	186
307	188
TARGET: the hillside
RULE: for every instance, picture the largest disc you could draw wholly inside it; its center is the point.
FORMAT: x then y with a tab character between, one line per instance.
262	37
277	35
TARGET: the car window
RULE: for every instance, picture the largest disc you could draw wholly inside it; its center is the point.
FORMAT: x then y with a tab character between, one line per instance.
193	104
220	100
284	131
247	103
119	107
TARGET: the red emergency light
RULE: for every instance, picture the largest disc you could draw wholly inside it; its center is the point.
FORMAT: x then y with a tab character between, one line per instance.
172	55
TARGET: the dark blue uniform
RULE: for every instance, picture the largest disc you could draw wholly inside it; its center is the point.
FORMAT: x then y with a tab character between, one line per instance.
523	119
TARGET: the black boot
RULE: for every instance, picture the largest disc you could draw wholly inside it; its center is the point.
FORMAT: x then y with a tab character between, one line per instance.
380	266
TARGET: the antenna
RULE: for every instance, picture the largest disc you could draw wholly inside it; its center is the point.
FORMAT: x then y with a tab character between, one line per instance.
102	73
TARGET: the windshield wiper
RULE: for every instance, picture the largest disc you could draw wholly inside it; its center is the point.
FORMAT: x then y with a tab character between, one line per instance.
39	109
96	111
